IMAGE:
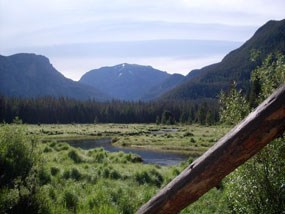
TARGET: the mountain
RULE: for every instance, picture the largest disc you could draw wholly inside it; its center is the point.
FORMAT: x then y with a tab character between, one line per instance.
31	75
236	66
168	84
127	81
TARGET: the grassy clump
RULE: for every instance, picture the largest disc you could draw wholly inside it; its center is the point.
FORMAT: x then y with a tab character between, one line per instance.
54	171
152	177
71	180
74	155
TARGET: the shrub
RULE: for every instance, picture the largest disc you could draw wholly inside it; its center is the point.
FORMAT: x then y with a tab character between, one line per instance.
17	155
19	187
258	185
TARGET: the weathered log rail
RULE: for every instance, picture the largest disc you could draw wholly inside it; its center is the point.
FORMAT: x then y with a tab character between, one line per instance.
258	129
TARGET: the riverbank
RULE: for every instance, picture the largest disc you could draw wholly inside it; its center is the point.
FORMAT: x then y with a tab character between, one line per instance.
191	140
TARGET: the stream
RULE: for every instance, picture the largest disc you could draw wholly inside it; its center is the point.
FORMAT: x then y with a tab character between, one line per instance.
148	156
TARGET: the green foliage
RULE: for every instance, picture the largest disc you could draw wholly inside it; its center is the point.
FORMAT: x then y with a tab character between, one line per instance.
167	118
237	65
258	185
152	177
17	120
17	155
70	200
54	170
75	174
19	187
269	76
73	155
67	110
73	180
44	176
234	106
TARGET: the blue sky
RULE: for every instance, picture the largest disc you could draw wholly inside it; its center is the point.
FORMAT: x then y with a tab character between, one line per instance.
172	35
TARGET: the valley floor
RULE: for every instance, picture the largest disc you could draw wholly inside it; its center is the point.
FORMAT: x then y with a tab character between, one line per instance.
192	140
73	180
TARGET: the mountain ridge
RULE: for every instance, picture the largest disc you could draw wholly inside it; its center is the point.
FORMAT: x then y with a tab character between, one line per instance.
126	81
208	81
32	75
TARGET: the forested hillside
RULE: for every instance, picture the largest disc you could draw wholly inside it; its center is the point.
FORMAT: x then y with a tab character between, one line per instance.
131	82
64	110
236	66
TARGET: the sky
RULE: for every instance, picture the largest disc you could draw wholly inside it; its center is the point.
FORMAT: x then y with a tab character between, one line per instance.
176	36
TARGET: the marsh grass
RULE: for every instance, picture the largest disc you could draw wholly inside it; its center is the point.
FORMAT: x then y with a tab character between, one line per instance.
95	181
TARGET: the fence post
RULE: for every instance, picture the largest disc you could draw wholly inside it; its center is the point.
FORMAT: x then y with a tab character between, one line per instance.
258	129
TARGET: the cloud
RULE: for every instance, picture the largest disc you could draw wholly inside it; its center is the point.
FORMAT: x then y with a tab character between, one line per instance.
74	69
111	31
143	48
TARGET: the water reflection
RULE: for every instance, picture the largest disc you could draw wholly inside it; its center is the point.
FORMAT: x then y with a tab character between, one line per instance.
148	156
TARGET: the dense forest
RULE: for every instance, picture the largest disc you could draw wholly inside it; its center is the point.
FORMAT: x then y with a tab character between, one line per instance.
66	110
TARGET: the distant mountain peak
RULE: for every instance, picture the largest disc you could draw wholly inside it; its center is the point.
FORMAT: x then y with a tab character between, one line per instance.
125	81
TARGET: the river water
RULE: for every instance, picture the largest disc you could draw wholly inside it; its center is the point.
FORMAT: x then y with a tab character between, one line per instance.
148	156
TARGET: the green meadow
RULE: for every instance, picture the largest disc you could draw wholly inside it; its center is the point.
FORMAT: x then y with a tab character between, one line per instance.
73	180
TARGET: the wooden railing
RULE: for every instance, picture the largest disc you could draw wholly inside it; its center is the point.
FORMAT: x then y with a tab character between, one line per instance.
258	129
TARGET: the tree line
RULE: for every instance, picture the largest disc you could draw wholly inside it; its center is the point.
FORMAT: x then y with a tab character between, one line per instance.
66	110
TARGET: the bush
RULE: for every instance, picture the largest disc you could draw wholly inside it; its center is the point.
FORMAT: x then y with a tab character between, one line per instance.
258	185
19	186
17	155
